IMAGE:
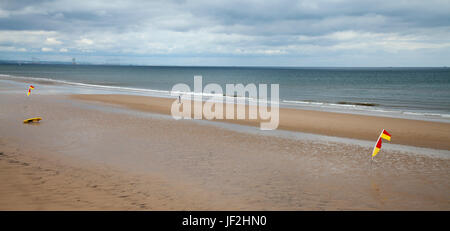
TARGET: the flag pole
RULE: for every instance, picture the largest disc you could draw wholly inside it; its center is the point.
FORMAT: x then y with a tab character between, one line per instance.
376	143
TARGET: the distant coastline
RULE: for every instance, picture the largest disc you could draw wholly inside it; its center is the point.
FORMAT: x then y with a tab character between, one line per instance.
54	62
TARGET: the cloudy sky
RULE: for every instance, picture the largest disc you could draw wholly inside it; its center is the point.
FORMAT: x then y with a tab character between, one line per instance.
255	33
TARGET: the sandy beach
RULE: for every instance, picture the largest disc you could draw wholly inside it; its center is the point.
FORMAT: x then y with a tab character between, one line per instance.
212	106
408	132
110	152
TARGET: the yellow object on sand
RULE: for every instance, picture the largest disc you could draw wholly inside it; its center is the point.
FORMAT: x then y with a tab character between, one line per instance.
32	120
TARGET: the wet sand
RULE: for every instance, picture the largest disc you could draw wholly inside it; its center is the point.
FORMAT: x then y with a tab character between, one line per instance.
405	131
31	180
91	155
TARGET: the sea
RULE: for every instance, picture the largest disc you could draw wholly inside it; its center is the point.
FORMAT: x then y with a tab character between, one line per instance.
415	93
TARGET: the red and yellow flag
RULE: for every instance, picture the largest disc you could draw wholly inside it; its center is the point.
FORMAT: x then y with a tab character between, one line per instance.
29	90
377	147
385	135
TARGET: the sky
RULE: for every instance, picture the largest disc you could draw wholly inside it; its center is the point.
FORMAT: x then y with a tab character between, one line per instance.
229	33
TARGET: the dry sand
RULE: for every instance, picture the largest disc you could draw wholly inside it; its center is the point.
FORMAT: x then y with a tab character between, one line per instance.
95	156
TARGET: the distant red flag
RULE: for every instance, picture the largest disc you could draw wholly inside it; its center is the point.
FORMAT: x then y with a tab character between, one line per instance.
29	90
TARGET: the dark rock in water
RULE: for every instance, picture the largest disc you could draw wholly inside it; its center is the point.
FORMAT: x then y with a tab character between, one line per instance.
358	104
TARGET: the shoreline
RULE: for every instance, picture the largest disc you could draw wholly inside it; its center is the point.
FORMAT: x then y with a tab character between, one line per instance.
418	133
359	108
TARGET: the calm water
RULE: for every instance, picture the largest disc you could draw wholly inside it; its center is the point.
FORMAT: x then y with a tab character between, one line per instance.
407	90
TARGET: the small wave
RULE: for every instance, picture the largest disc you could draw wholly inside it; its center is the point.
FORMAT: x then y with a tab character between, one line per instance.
384	111
340	103
47	80
426	114
369	107
165	93
303	102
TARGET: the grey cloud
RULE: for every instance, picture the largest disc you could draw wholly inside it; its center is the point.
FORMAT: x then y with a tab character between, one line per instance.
252	17
229	27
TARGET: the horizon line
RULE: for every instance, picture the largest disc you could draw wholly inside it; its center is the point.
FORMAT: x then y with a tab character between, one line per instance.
47	62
